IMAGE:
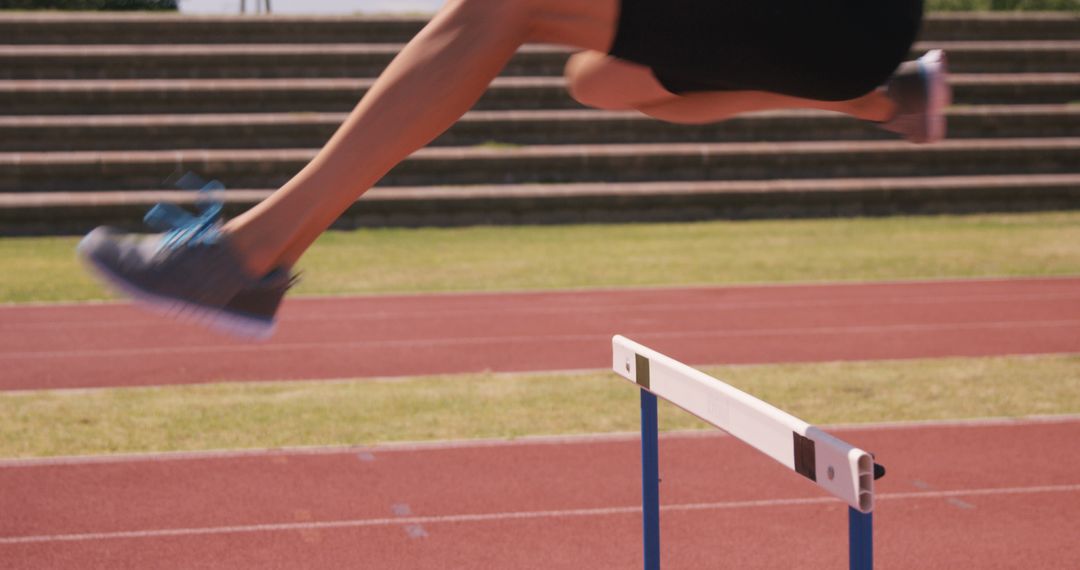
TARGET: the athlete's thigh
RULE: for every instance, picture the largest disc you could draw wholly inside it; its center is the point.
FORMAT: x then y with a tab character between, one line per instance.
605	82
584	24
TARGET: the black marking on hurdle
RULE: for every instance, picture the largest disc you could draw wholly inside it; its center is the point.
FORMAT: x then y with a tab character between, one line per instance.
805	457
641	365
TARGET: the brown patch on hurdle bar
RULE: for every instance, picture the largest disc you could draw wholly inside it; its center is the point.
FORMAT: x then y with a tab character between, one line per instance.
805	457
641	365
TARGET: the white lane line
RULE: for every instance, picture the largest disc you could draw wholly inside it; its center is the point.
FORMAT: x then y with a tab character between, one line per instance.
695	304
521	515
992	280
367	453
843	286
517	339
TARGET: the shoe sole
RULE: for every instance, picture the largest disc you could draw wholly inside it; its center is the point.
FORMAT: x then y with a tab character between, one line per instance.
935	67
178	309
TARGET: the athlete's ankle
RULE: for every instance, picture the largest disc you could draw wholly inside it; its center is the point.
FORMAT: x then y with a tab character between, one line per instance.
876	106
256	259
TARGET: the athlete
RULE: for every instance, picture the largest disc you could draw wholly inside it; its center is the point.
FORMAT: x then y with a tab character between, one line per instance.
683	61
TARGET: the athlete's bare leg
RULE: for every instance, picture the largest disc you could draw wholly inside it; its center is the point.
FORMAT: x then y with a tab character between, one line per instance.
436	78
599	80
442	72
237	283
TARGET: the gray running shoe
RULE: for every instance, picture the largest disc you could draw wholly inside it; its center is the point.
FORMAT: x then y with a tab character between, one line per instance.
921	92
189	271
258	304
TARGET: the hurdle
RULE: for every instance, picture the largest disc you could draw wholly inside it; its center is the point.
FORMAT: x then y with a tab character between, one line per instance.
839	468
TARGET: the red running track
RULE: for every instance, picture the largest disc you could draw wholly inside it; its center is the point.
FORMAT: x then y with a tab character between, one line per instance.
93	345
966	495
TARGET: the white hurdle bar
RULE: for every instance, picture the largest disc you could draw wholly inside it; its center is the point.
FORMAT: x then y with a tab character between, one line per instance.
839	468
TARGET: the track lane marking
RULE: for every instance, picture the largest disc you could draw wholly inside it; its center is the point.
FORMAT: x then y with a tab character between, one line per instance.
525	309
367	453
406	343
987	281
518	515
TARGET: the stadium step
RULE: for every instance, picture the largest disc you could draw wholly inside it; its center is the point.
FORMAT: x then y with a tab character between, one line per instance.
99	111
1002	26
247	168
150	28
368	60
240	61
311	130
141	96
59	212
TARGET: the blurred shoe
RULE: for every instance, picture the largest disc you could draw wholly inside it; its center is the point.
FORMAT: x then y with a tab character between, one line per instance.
189	271
920	89
256	305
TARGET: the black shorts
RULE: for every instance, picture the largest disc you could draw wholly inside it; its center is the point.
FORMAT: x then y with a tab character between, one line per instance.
830	50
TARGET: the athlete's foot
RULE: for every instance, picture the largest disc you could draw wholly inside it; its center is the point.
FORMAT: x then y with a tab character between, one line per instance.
921	92
190	271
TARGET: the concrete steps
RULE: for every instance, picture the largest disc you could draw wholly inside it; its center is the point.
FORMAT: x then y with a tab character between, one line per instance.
548	164
148	28
522	127
98	112
64	212
142	96
239	61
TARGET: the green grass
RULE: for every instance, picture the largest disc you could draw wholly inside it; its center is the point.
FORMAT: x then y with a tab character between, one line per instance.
260	415
1003	5
498	145
256	415
575	256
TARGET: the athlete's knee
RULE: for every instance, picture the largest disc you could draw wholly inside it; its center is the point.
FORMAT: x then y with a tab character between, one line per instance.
590	82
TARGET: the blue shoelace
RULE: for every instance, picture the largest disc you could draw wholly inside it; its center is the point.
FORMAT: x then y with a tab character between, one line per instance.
180	227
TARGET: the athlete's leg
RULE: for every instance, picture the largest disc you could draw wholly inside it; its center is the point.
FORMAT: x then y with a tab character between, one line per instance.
712	106
599	80
438	76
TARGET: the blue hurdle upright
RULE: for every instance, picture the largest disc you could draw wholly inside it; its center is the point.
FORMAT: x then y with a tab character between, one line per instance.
843	470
